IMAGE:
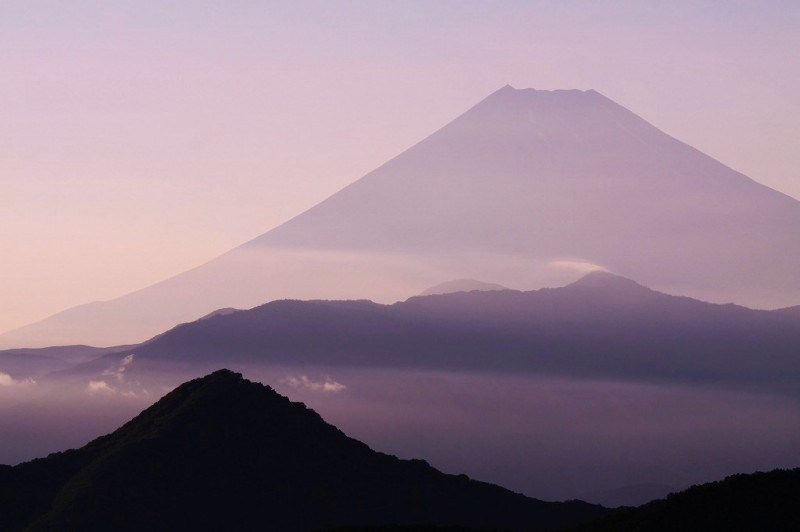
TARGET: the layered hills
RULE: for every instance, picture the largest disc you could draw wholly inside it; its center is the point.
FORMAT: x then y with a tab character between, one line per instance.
601	326
528	188
223	453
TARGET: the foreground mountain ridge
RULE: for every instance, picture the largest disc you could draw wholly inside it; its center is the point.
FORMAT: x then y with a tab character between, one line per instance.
753	502
221	452
527	188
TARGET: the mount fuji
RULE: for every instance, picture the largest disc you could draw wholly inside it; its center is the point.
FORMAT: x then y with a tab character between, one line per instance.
527	189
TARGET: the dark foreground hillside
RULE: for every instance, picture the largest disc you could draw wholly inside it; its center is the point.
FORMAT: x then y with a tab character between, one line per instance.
756	502
223	453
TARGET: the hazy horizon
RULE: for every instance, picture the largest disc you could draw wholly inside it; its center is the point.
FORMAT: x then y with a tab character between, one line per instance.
143	141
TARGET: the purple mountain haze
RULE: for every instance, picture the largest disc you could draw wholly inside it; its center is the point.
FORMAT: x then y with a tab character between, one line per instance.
528	188
556	392
602	327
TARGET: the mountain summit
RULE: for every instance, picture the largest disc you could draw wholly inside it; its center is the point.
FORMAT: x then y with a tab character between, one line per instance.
223	453
549	175
528	188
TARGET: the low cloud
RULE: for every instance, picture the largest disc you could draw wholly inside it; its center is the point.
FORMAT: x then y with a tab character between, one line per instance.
7	381
128	390
118	370
576	266
96	387
304	383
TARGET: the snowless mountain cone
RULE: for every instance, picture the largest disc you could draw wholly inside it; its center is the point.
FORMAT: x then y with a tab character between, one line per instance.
526	189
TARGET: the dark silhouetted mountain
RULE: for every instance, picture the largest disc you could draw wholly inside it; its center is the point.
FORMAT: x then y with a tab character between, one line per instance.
528	188
633	495
600	326
223	453
759	501
461	285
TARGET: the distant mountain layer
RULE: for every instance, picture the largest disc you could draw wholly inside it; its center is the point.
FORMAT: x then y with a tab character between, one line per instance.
26	363
528	188
223	453
760	501
461	285
600	326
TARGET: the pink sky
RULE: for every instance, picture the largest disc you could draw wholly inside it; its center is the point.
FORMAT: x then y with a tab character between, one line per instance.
140	139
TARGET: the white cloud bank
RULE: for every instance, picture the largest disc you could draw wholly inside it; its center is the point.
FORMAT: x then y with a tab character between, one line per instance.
96	387
103	388
304	383
118	371
122	387
576	266
7	381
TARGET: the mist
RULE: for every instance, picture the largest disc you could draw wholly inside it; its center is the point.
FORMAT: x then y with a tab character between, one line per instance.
556	439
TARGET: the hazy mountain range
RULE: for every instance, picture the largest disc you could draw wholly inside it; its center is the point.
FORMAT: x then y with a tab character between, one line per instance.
526	189
601	326
578	391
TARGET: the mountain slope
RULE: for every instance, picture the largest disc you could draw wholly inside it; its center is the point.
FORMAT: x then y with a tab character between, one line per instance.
759	501
600	326
527	188
221	452
522	157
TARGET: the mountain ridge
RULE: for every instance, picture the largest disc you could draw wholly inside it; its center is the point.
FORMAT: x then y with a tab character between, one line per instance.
602	326
221	451
756	501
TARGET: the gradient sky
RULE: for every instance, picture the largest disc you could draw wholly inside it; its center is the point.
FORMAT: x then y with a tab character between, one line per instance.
141	138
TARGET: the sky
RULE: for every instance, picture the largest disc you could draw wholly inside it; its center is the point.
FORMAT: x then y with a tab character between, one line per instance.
142	138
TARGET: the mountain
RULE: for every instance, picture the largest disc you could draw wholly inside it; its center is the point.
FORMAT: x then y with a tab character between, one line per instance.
792	311
601	326
461	285
759	501
528	188
29	363
632	495
223	453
